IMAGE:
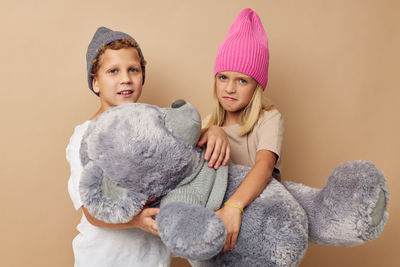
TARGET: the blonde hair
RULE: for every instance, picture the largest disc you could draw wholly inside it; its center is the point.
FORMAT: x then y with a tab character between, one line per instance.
249	116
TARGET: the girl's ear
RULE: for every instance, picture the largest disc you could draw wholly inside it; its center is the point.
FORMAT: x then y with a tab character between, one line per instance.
95	86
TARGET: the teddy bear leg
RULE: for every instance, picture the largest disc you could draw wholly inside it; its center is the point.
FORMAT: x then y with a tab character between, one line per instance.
350	209
191	231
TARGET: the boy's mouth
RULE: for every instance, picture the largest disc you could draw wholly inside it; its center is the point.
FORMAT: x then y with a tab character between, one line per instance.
125	92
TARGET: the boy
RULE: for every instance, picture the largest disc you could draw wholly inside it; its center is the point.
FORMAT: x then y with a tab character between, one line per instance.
116	73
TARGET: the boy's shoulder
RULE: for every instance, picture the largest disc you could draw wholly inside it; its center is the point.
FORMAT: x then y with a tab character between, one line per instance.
79	130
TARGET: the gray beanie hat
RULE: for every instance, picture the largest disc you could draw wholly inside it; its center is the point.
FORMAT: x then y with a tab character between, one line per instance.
104	36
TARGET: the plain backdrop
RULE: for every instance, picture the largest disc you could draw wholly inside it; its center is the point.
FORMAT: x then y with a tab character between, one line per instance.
334	75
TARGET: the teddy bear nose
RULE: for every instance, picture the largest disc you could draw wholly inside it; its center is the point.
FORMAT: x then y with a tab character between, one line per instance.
178	103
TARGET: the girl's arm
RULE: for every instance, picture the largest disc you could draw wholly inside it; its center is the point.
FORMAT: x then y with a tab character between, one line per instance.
218	149
143	221
251	187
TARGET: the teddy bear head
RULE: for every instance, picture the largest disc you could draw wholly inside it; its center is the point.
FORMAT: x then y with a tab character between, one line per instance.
135	152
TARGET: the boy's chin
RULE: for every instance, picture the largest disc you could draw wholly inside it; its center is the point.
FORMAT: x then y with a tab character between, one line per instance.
126	100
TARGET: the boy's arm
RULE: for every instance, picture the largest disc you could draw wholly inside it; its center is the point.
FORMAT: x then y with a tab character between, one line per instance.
143	220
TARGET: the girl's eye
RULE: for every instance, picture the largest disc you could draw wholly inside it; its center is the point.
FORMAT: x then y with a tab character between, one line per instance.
242	81
133	70
113	71
222	77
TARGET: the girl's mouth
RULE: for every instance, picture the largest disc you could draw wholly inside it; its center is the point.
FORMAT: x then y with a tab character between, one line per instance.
229	98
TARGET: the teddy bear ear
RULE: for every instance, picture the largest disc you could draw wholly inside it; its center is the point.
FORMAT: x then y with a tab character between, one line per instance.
105	200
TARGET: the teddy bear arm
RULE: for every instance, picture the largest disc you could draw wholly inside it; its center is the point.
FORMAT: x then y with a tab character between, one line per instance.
104	199
190	231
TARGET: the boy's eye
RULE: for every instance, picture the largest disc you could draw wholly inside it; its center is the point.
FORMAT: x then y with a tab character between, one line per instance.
134	70
113	71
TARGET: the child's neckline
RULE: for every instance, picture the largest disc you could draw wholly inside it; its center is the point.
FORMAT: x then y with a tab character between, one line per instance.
231	126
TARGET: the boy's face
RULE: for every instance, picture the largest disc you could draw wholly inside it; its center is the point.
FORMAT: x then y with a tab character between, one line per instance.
119	77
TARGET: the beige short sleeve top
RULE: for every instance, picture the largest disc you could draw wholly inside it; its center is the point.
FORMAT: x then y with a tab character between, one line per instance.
267	134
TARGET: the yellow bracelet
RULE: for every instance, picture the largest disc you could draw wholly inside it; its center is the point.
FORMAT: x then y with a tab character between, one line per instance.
233	205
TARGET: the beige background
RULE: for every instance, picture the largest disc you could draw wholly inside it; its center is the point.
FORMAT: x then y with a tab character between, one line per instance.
334	72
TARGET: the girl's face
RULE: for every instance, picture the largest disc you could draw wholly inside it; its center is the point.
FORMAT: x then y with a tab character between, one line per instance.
119	77
234	90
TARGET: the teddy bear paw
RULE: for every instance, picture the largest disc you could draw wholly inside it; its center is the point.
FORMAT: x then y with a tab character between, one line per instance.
191	231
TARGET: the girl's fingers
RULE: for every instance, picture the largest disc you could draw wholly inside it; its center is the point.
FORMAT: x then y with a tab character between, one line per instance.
227	155
221	157
202	141
209	149
227	242
233	241
215	154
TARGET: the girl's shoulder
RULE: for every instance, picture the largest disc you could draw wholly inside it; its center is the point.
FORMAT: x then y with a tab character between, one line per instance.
271	120
272	114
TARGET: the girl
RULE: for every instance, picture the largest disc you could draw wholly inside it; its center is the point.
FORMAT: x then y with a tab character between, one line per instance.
254	129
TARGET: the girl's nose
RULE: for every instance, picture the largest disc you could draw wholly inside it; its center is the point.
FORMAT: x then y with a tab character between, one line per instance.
230	88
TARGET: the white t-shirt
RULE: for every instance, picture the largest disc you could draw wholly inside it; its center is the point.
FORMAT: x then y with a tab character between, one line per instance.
103	247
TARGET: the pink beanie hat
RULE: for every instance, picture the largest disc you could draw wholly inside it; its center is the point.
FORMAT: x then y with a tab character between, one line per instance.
245	48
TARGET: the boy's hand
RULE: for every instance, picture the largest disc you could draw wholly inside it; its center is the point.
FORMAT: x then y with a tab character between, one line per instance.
144	220
218	149
232	218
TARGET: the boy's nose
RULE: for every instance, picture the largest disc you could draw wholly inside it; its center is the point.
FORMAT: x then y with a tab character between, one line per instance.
125	77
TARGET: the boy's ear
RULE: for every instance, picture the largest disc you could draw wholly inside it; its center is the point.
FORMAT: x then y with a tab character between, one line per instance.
95	86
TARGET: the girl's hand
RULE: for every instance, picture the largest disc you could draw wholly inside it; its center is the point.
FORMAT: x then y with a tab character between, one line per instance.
218	149
144	220
232	218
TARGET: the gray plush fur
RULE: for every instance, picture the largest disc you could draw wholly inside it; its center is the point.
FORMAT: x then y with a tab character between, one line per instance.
134	152
350	209
273	231
121	145
191	232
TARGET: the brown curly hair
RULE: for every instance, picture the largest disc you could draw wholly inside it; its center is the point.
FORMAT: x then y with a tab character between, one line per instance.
115	45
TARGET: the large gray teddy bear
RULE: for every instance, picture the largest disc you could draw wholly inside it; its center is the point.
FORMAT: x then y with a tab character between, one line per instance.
136	152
